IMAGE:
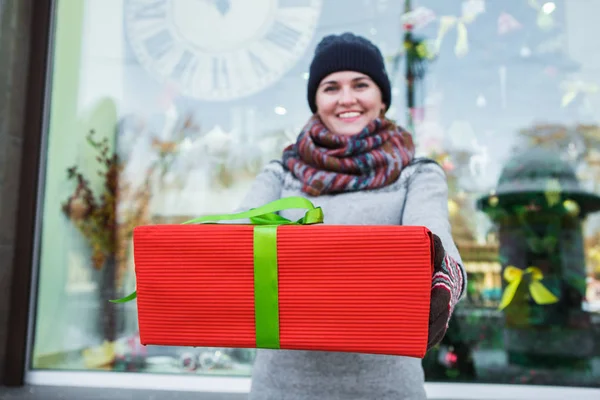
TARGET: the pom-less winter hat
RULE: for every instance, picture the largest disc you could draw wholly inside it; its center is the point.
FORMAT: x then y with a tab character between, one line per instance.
347	52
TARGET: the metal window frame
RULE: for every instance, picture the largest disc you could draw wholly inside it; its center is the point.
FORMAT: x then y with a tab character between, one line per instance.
241	386
25	267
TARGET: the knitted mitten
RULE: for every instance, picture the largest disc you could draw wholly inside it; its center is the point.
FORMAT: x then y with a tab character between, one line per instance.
446	289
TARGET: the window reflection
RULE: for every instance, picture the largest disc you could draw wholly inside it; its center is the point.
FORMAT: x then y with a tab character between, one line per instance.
503	94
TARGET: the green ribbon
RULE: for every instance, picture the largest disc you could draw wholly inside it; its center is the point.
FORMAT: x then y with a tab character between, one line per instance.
266	287
266	295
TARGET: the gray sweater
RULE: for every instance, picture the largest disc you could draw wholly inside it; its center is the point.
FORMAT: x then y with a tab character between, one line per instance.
419	197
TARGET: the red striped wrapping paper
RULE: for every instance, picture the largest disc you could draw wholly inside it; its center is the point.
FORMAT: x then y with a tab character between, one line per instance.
343	288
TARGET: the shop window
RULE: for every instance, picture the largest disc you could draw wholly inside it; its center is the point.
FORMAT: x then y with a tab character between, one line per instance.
135	138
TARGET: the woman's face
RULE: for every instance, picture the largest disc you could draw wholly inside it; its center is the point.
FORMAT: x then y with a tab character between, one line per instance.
347	101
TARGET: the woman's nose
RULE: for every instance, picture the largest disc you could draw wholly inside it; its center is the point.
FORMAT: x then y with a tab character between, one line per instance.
346	97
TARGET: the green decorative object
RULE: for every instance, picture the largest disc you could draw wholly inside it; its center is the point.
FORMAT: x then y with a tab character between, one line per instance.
539	208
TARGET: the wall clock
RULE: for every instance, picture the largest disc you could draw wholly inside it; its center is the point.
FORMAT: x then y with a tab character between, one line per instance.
218	50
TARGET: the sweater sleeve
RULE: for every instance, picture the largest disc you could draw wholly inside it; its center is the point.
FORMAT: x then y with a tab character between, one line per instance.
426	204
266	187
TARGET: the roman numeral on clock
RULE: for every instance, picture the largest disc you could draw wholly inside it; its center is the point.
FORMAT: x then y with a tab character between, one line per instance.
159	44
220	73
259	67
183	71
151	9
283	35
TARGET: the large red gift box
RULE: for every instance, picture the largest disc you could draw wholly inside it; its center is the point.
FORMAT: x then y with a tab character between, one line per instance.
340	288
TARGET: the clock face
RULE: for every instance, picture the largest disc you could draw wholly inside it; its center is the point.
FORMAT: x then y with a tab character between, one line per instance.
220	49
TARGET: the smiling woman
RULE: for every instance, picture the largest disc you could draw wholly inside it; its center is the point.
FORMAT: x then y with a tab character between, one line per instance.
359	167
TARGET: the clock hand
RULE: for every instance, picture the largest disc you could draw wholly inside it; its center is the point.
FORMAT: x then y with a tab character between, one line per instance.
223	6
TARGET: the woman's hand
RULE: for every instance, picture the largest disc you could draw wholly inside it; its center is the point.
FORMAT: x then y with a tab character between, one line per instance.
446	287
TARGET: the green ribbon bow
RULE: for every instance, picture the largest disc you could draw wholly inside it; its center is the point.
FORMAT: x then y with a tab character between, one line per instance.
266	295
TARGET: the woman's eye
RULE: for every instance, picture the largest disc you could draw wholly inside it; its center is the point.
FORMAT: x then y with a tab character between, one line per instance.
329	89
362	85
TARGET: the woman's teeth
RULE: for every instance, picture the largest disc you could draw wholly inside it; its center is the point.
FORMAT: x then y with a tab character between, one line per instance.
352	114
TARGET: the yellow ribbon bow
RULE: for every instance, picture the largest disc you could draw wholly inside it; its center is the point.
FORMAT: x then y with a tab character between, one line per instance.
539	293
447	22
574	88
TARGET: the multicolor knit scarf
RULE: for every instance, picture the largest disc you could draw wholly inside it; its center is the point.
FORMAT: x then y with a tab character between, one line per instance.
328	163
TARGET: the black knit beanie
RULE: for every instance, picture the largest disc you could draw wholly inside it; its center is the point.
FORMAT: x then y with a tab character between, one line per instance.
347	52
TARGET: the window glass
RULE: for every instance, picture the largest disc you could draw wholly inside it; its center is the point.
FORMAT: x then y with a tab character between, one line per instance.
161	111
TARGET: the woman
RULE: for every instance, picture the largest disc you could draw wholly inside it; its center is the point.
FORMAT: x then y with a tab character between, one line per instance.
359	167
